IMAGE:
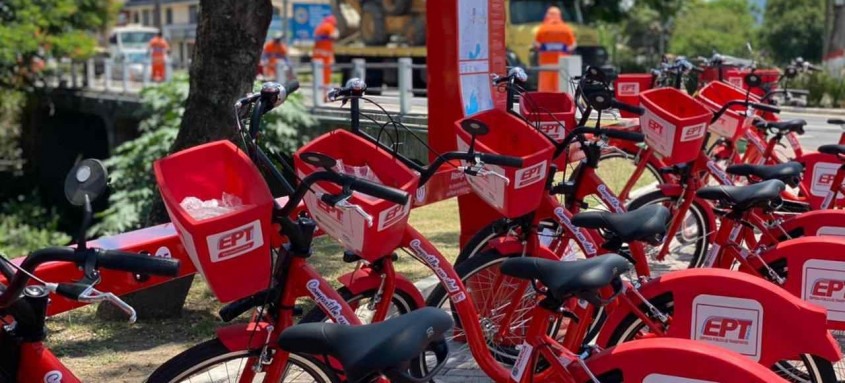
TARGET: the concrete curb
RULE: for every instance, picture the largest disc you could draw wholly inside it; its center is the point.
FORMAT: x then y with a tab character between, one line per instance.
822	111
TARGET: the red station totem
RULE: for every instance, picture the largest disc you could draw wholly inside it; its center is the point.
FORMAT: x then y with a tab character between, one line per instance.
466	43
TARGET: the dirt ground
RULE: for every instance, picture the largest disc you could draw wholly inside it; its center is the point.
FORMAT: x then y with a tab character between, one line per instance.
102	351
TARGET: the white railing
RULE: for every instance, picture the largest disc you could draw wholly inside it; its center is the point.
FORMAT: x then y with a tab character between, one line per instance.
102	74
110	76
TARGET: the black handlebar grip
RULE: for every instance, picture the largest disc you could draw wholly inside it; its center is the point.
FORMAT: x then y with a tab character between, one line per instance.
71	291
291	87
626	107
624	135
765	108
333	94
500	160
379	191
137	263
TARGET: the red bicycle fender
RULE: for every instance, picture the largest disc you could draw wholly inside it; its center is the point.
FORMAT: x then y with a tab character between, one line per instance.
813	223
237	337
737	311
364	279
681	360
817	273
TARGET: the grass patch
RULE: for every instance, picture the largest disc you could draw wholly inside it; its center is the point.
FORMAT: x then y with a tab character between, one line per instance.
100	351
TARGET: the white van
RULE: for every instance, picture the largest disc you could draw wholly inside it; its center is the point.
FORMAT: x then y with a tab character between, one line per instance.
128	45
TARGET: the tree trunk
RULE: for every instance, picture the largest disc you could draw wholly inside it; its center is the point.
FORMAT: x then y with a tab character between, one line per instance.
836	38
834	56
230	36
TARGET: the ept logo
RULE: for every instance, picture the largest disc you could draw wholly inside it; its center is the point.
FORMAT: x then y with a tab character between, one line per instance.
692	132
655	126
827	287
530	175
391	215
329	210
629	89
235	242
826	179
553	130
730	328
733	323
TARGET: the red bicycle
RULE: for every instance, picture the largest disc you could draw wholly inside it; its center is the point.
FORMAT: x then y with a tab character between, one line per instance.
23	305
249	351
502	303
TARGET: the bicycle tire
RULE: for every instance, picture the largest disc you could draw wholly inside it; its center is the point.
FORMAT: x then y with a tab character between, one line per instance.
201	357
821	369
650	169
401	300
472	267
702	227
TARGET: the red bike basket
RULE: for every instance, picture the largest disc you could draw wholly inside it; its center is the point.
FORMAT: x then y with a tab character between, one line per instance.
733	123
673	124
361	158
232	251
510	136
627	89
547	110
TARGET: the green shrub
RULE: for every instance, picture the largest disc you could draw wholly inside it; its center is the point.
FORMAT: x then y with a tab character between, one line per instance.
11	104
825	91
26	226
132	181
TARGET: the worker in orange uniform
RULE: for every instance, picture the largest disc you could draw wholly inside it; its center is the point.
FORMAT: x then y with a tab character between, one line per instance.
274	51
324	37
554	39
158	49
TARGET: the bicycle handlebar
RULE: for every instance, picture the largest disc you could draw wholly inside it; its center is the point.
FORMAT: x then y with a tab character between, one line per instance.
353	87
107	259
623	135
373	189
724	109
639	111
516	73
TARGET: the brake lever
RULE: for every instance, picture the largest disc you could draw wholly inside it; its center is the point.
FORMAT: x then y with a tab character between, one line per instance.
478	169
92	295
343	203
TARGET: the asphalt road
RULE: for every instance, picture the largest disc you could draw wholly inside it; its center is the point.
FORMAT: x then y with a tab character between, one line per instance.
817	132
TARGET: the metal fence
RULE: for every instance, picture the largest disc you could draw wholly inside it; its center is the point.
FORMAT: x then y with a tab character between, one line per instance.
110	76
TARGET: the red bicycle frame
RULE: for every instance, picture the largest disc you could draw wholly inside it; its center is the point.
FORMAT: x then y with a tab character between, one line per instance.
300	281
564	363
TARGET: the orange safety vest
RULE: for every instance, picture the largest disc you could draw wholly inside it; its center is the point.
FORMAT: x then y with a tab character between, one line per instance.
324	41
274	52
554	39
158	48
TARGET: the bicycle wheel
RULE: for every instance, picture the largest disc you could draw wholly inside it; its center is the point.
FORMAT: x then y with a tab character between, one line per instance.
211	361
492	294
549	233
779	267
809	369
688	246
363	305
615	169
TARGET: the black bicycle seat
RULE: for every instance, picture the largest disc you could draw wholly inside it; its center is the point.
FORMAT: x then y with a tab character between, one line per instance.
563	279
373	348
789	173
744	197
644	224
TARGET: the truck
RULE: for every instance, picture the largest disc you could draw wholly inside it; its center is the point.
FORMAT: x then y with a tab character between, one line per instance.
382	31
